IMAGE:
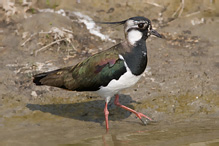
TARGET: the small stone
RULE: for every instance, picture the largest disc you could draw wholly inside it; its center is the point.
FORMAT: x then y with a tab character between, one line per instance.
33	93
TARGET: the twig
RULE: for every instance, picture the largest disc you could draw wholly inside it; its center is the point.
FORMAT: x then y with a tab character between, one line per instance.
73	46
155	4
179	9
68	56
176	10
43	48
191	14
183	5
28	39
42	32
66	30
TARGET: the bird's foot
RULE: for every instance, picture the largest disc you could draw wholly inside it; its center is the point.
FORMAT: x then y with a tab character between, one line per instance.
144	119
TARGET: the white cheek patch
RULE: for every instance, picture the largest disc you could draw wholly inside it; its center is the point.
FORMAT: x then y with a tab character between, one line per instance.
134	36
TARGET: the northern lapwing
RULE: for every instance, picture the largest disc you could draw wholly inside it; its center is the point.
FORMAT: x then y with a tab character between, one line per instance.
109	71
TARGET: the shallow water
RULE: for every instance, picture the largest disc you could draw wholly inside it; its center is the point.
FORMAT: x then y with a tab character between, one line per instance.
82	123
46	129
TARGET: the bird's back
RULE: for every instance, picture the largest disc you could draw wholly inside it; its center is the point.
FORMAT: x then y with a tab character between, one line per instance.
89	75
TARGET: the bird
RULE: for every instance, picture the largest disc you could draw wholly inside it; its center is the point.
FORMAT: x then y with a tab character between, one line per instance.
110	71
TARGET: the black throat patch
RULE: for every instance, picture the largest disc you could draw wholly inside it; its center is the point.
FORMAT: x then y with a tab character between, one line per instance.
136	59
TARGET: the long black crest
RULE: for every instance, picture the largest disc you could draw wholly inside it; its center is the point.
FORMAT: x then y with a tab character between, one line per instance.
118	22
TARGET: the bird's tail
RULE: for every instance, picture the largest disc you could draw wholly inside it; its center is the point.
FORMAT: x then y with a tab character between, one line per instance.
37	78
54	78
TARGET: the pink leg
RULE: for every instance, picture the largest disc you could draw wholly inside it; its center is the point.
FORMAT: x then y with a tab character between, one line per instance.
106	112
139	115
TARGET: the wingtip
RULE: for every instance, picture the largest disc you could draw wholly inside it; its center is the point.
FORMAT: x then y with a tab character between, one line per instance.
37	78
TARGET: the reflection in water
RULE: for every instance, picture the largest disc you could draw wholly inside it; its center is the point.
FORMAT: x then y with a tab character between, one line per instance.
143	139
176	134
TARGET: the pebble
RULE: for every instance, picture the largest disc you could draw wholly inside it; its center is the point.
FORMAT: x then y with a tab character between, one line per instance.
34	94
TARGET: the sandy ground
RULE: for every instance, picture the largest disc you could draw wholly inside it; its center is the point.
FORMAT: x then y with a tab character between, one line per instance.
179	89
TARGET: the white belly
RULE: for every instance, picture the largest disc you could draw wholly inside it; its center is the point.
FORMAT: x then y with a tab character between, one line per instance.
114	86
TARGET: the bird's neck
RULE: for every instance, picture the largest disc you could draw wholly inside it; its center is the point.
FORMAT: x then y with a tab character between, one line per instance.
136	57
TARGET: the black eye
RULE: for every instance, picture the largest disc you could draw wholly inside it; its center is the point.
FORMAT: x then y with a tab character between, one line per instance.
141	25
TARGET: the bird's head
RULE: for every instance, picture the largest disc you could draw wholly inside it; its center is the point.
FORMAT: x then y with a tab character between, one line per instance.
137	28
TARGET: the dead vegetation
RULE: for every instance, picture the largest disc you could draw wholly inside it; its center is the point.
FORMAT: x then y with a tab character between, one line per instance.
55	36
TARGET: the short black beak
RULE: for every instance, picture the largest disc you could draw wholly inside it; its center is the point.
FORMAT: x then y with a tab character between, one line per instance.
155	33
